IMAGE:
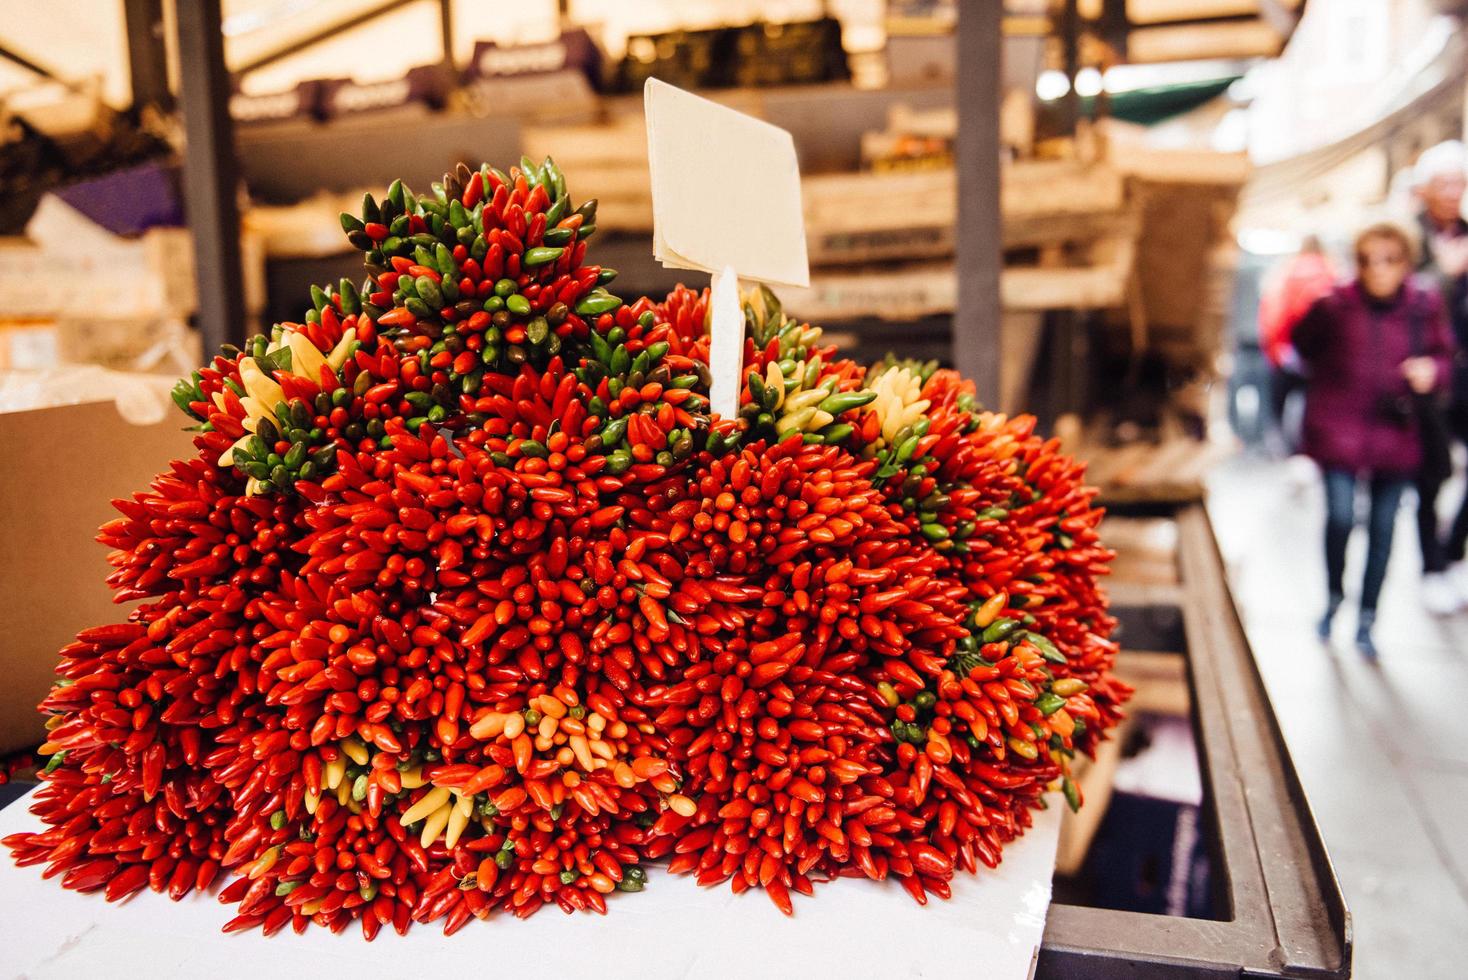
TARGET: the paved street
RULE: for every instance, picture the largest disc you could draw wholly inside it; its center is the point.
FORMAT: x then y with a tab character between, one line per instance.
1380	748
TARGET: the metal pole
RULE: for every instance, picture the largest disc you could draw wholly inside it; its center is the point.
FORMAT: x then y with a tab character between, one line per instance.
34	67
146	59
210	175
1070	30
979	256
446	28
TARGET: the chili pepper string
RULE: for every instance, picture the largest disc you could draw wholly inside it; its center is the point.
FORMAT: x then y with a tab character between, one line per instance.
467	605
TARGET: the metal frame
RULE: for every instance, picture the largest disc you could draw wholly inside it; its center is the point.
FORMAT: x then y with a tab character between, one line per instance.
1288	918
979	255
147	57
1070	47
446	31
211	177
35	68
316	37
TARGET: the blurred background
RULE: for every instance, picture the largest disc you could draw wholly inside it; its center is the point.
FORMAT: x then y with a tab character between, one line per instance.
1083	204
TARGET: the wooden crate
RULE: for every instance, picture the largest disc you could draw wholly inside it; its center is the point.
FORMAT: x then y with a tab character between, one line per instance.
1161	687
891	292
1146	550
909	291
1094	778
867	217
1236	39
606	161
1101	283
1056	187
1171	471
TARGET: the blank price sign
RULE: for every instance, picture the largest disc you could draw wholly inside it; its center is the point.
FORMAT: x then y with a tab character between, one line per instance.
725	190
725	200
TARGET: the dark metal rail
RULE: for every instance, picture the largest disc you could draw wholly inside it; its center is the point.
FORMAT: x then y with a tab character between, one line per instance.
1284	912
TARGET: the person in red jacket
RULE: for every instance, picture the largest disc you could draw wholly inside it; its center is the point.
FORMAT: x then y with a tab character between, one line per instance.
1298	282
1371	347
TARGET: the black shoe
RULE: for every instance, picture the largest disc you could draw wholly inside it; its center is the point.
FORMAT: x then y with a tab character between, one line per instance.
1323	629
1364	643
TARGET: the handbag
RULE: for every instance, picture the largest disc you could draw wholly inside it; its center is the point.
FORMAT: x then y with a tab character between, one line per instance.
1432	423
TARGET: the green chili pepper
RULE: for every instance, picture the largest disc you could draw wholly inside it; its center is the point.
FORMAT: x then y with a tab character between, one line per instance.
999	629
596	303
540	255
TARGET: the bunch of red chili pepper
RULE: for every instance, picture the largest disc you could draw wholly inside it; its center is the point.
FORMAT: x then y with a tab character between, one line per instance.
467	604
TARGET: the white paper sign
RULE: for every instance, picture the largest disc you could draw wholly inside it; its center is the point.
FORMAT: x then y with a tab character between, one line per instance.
725	190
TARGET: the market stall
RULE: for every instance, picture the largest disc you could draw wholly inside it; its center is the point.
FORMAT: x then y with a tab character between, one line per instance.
940	560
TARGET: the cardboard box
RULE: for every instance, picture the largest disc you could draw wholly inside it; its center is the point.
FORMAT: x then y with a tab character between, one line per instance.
70	264
137	343
29	345
62	468
30	283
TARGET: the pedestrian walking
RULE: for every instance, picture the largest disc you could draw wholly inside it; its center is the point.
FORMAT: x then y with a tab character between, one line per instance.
1374	348
1439	180
1290	290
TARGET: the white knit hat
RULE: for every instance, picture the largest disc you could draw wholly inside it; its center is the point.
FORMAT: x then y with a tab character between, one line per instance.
1446	158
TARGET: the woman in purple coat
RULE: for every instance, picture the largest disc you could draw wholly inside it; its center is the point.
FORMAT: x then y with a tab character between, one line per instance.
1373	347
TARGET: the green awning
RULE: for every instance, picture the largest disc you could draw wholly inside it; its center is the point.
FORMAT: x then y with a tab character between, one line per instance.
1146	106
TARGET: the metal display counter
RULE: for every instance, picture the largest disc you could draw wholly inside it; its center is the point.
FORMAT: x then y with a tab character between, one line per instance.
1282	910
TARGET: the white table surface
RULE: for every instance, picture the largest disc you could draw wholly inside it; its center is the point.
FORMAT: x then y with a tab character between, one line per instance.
851	928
